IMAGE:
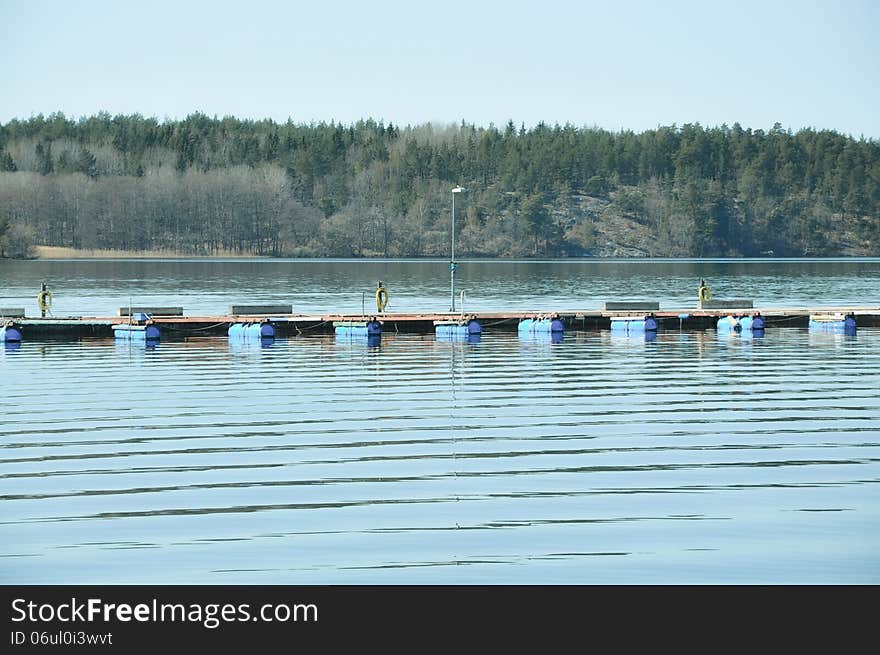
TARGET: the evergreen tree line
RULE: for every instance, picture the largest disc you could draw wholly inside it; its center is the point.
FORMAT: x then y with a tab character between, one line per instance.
211	186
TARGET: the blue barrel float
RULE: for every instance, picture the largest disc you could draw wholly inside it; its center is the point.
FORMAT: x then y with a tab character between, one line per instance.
136	332
728	324
749	324
833	322
541	328
251	331
541	325
358	329
139	328
634	324
10	333
460	329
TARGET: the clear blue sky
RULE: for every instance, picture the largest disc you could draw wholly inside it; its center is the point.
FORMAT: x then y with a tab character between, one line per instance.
615	64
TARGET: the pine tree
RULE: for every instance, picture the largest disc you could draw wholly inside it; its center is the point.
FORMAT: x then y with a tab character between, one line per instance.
6	162
45	165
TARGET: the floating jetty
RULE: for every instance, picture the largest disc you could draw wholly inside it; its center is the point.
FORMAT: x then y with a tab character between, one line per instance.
290	324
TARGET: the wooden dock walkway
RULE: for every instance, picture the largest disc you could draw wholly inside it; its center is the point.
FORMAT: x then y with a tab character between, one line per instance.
687	318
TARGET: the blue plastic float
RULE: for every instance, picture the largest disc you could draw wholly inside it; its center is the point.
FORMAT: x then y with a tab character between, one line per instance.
249	331
132	332
751	325
358	329
540	325
835	322
461	329
10	333
633	324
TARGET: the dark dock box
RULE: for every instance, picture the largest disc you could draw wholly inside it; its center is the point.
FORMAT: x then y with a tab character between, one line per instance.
726	304
631	306
152	311
244	310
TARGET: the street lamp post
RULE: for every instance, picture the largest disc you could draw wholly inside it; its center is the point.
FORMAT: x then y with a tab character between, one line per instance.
457	189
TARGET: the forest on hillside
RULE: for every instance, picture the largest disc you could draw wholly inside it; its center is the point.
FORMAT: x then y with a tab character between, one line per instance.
208	186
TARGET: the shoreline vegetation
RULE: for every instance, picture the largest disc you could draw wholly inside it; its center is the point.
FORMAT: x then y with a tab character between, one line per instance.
225	187
59	252
45	253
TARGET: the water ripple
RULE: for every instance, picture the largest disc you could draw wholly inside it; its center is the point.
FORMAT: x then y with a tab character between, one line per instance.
431	455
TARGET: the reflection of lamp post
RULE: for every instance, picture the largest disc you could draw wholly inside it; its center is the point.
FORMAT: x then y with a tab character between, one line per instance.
457	189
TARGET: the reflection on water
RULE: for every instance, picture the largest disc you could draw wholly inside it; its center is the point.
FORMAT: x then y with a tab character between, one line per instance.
460	337
541	337
250	345
358	341
691	457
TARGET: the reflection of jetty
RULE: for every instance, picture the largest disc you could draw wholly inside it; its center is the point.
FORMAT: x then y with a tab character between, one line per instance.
294	324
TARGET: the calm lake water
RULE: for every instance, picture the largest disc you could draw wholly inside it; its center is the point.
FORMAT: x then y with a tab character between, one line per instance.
693	458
